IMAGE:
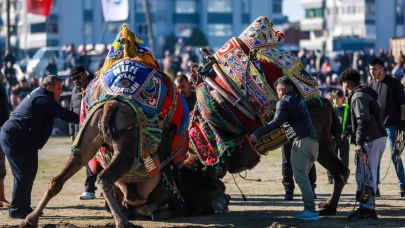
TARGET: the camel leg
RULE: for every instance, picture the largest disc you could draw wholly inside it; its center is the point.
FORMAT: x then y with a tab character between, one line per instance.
125	150
328	159
86	150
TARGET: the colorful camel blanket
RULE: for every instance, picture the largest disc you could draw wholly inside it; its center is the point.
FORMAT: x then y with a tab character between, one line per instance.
131	75
260	42
248	61
153	112
208	124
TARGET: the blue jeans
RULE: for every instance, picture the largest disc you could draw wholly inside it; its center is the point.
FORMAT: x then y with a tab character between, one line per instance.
392	133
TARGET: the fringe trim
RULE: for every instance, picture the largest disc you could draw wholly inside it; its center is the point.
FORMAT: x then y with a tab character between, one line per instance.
294	71
296	68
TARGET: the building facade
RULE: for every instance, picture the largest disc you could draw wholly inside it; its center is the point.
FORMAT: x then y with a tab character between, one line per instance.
82	22
352	24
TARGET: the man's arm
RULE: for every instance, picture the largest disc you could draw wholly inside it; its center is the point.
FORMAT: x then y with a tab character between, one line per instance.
280	117
50	107
71	125
361	109
399	96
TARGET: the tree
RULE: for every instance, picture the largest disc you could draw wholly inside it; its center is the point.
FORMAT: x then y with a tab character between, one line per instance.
197	38
169	44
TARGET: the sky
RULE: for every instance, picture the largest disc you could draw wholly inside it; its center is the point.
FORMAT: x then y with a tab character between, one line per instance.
293	9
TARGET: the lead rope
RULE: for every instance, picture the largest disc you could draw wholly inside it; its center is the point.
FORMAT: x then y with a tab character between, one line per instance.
243	195
246	179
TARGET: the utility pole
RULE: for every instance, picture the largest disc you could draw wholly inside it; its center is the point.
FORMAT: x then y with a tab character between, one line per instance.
149	26
7	24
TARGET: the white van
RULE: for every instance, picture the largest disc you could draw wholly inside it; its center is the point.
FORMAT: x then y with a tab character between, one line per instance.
36	66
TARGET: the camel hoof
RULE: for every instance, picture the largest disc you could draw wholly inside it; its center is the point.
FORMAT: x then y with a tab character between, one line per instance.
327	212
324	205
26	224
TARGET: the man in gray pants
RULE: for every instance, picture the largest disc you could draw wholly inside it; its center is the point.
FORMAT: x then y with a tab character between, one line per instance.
370	134
292	112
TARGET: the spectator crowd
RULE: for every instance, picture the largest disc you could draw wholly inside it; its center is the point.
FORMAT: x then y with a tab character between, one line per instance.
327	69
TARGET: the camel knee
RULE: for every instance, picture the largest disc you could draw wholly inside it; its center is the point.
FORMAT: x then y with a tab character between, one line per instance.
54	187
106	182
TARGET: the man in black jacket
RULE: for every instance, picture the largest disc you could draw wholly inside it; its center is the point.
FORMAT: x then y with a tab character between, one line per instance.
26	132
292	112
369	131
4	115
81	79
184	87
391	97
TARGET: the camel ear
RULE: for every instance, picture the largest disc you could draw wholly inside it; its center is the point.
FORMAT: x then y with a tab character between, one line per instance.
279	34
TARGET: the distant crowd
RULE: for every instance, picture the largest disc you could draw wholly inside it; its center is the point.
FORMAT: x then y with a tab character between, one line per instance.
328	69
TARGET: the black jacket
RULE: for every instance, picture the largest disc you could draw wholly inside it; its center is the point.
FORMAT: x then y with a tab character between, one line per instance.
75	102
30	125
390	98
291	112
367	122
4	105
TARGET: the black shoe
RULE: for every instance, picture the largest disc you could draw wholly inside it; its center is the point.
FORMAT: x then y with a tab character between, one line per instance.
289	196
362	213
402	192
378	194
330	178
20	215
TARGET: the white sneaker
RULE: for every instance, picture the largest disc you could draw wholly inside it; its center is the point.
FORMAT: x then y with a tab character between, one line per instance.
87	196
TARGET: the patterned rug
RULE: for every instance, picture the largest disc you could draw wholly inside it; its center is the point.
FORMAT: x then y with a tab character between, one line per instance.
243	73
208	136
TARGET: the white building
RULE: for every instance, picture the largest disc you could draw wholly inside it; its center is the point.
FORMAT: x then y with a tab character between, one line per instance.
82	22
352	24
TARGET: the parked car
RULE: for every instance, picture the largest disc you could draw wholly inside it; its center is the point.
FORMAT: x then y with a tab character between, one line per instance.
41	59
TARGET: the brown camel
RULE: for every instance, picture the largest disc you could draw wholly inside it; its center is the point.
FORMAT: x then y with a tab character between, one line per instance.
99	132
236	110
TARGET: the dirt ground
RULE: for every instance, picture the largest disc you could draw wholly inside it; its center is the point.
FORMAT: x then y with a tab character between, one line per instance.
265	206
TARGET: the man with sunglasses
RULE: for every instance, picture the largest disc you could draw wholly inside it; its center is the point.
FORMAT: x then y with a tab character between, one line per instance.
81	79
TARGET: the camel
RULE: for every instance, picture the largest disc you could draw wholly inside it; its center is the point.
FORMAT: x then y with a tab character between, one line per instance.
133	112
239	121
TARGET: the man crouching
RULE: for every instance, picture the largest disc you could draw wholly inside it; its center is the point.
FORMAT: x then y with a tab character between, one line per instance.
292	112
370	134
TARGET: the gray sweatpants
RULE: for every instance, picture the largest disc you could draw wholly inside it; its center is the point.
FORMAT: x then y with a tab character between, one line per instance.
366	176
304	153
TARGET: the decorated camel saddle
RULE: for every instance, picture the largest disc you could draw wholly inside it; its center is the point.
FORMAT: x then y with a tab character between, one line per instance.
246	68
131	75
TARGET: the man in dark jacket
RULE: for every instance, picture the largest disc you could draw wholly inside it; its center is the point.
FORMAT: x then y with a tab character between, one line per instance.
292	112
26	132
370	137
184	87
391	97
81	79
4	115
